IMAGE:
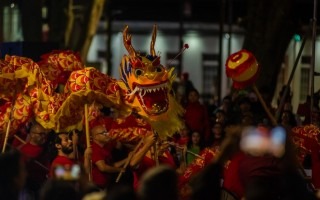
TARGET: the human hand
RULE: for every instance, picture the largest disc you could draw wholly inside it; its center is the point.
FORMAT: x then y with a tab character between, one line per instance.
122	170
88	152
130	154
75	137
149	139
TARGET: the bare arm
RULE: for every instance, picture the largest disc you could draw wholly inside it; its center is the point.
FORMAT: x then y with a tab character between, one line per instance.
103	167
138	156
121	162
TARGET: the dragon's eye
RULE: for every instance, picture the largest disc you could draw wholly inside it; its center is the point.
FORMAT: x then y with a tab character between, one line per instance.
138	72
159	69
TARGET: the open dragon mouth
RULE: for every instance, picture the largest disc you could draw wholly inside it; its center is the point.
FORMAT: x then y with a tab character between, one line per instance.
153	98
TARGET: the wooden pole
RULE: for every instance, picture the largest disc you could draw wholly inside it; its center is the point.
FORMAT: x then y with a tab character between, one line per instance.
273	120
283	98
87	136
9	124
196	155
129	159
6	135
75	148
87	126
187	151
20	139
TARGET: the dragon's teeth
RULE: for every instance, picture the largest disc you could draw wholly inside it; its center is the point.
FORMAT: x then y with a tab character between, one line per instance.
152	89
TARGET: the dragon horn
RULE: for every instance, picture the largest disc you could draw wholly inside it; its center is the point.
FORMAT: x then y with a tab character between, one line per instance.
127	42
153	41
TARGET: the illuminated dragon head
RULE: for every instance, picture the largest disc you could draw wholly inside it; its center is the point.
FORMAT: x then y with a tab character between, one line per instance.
147	81
148	85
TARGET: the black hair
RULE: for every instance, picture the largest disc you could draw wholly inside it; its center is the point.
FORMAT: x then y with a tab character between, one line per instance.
159	183
58	190
57	139
54	139
244	100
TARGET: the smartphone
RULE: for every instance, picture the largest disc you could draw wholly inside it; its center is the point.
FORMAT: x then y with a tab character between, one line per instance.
67	172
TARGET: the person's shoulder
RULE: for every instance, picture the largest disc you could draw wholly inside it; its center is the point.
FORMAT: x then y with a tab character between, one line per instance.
31	150
28	145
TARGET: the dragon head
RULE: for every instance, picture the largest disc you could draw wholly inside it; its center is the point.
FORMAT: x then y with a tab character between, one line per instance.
146	79
148	83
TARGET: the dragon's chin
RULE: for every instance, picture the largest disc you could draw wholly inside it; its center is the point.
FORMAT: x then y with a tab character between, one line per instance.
153	98
168	123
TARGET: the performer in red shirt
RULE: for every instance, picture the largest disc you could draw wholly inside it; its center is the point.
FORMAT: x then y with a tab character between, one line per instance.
64	146
35	159
102	164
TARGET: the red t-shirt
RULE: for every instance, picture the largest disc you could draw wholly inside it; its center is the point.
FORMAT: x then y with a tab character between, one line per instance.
30	150
60	160
101	179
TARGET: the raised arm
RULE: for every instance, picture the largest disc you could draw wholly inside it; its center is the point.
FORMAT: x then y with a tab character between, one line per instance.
149	140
